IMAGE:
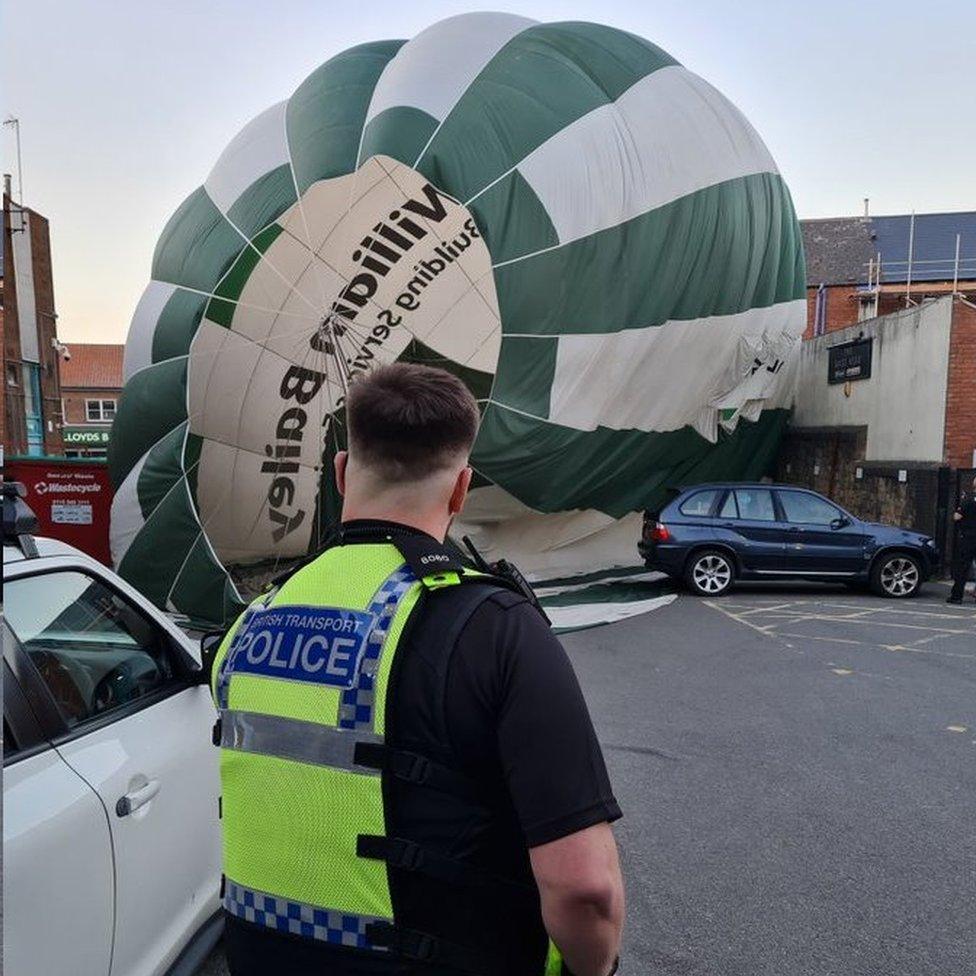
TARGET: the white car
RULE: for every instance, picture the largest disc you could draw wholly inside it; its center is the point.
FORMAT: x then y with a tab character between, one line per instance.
111	830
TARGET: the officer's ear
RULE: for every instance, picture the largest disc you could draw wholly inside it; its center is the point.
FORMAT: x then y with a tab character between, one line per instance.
461	485
339	463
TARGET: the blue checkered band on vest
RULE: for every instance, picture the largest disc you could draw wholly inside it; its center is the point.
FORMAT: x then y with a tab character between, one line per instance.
356	704
309	921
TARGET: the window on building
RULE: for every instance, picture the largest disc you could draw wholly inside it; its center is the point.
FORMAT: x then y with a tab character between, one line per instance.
99	410
33	409
13	375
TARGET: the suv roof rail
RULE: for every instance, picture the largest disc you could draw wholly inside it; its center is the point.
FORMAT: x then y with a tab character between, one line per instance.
19	520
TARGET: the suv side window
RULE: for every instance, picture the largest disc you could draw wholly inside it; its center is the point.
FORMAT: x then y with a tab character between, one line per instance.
93	649
700	503
800	506
755	504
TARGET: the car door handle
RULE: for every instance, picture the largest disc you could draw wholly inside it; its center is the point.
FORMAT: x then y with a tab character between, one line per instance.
136	798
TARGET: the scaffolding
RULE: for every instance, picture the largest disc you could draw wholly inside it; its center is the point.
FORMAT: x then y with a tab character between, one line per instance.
888	275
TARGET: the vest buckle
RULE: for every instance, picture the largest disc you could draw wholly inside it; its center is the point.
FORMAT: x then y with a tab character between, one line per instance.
406	854
424	948
403	942
416	767
396	851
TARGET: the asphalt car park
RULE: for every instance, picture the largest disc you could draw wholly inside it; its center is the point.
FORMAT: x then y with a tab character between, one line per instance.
797	769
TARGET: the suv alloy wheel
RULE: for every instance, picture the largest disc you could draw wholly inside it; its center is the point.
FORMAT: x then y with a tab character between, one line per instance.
896	575
710	573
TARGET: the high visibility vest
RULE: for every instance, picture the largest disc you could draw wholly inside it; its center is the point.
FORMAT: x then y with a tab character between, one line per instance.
301	683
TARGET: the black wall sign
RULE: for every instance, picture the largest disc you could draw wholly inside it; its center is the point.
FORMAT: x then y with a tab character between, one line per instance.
850	361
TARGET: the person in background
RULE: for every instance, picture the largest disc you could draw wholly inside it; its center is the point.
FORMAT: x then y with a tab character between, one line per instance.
411	782
965	548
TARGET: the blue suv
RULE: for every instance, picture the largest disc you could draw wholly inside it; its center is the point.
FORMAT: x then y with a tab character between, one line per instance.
711	535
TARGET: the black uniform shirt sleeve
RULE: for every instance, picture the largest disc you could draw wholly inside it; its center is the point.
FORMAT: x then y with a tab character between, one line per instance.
514	705
967	509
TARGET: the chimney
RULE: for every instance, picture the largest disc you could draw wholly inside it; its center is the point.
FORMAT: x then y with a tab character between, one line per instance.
6	185
867	215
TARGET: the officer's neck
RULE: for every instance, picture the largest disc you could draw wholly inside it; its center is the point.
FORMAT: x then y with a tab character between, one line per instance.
430	522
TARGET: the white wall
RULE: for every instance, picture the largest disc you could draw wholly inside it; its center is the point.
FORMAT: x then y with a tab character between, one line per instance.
24	277
903	403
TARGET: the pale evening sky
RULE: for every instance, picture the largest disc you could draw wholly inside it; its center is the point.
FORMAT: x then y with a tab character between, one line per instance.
125	104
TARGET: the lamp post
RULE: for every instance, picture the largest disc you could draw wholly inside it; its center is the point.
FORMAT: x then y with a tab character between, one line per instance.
15	122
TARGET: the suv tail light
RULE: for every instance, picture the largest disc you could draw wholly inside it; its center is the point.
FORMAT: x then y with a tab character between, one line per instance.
660	532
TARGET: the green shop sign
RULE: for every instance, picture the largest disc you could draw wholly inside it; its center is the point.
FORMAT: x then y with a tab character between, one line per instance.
86	436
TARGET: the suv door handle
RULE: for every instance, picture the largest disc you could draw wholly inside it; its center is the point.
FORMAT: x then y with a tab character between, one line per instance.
136	798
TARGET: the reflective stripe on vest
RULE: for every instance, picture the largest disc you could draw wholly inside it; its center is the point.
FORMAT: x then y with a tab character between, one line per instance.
291	738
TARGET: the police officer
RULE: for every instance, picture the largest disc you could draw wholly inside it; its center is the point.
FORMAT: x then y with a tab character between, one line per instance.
965	549
411	783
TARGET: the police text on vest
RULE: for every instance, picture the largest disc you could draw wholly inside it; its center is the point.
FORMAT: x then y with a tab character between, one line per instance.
323	645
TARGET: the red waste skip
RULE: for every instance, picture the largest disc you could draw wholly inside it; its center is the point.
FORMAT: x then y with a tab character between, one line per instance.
71	499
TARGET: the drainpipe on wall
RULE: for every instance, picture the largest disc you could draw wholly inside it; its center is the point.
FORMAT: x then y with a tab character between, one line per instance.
820	311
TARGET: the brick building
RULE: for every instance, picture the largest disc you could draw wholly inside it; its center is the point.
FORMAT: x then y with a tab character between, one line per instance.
91	385
31	350
862	267
885	415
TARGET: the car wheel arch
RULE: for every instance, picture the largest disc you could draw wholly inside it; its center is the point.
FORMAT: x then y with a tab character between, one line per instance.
722	547
895	548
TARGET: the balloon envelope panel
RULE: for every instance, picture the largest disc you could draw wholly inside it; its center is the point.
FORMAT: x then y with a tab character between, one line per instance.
586	232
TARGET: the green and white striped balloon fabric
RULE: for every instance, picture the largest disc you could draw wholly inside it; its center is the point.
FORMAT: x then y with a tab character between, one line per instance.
588	233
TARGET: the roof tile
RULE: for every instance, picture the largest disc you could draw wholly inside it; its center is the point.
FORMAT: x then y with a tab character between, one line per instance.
92	366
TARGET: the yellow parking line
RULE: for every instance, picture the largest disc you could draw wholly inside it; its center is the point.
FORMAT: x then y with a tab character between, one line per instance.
737	618
765	609
949	614
877	623
847	640
832	640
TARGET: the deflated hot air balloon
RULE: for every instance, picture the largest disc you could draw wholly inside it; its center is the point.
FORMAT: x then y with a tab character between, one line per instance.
586	232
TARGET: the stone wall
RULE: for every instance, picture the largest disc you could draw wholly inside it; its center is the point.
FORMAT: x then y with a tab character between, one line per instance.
831	462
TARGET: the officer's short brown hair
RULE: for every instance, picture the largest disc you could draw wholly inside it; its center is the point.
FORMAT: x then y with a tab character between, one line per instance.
407	421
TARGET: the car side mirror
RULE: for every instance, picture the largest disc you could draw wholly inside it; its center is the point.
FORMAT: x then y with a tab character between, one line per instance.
209	644
841	522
